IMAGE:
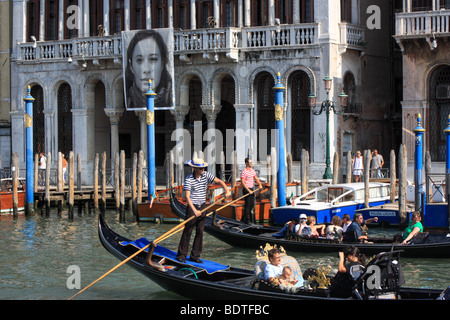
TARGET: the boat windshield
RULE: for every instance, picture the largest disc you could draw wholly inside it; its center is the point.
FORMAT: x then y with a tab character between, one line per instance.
6	185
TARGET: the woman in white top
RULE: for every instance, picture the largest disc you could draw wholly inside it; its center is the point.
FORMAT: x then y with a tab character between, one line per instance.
358	166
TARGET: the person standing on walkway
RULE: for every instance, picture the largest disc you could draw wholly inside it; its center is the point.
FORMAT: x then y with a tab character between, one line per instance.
42	168
376	163
195	186
248	178
358	166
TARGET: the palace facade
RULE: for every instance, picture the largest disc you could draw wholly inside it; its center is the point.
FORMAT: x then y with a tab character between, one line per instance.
227	54
422	30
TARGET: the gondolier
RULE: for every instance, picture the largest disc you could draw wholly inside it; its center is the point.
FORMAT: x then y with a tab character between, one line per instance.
195	186
248	178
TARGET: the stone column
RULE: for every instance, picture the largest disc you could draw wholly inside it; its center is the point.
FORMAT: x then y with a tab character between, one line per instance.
296	11
240	17
244	132
41	35
170	13
216	12
114	116
148	14
182	140
83	143
61	21
143	131
271	12
247	15
126	14
106	17
212	151
18	132
193	15
86	21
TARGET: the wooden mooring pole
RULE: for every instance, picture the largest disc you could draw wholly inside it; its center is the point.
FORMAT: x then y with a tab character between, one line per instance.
15	176
47	199
71	184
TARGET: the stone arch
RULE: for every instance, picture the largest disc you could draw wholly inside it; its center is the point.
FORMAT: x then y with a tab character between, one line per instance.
216	82
439	110
253	77
182	90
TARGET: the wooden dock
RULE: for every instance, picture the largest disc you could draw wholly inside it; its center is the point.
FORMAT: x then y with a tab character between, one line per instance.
99	195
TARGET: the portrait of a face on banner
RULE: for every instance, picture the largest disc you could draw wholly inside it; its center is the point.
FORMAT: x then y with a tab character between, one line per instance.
148	54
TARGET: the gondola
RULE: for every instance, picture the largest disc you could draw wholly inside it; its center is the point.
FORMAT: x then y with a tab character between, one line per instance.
236	233
211	280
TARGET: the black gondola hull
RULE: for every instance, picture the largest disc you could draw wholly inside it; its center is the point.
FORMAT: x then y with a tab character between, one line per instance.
190	287
215	287
253	236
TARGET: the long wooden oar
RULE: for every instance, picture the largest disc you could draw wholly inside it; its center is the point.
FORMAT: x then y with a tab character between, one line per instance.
164	236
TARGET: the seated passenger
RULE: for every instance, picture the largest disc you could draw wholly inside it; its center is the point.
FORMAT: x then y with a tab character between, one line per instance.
346	221
413	228
288	282
348	273
286	277
302	223
334	230
316	230
354	230
274	268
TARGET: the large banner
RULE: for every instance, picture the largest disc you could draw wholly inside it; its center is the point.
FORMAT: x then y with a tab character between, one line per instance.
148	54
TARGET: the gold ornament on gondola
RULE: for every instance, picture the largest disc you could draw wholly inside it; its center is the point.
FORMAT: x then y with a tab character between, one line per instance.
278	112
150	117
28	120
321	277
264	252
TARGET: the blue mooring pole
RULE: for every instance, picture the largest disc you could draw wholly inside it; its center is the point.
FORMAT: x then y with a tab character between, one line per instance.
150	119
279	126
418	161
29	150
447	169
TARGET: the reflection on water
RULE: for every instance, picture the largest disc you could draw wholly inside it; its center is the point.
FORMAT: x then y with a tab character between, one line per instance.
37	251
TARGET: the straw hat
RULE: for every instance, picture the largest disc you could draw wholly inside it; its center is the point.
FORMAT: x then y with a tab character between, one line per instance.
197	163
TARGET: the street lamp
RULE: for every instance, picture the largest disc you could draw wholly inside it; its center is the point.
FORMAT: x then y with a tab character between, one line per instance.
328	105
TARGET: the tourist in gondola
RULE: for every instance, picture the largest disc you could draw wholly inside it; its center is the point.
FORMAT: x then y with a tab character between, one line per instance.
334	230
413	228
351	265
195	186
346	221
317	230
248	179
273	269
354	231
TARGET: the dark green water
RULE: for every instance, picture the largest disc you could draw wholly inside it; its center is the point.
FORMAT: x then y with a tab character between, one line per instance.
37	251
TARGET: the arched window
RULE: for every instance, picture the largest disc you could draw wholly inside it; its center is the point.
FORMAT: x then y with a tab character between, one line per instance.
439	111
349	89
265	99
65	118
300	114
38	119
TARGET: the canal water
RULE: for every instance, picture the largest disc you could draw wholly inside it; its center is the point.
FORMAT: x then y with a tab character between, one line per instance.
37	252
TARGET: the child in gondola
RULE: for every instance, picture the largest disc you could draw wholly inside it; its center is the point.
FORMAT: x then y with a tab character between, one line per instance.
287	282
286	277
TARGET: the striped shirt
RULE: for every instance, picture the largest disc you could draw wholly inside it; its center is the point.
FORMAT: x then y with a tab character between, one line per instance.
198	187
248	176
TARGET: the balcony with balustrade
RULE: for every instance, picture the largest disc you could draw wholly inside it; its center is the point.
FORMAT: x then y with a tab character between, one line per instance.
228	41
426	25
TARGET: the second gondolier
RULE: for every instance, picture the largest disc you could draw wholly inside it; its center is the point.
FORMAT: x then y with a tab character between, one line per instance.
195	186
